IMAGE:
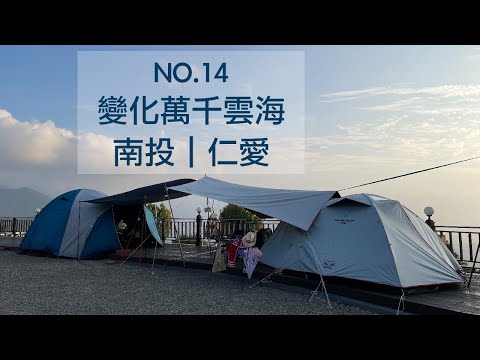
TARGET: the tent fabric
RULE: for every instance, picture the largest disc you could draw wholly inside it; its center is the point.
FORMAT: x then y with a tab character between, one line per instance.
151	225
67	224
103	237
48	228
296	207
145	195
80	222
383	243
432	239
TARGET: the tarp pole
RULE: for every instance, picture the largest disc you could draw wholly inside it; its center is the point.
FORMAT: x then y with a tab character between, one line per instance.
174	227
143	233
208	228
156	242
133	231
154	254
115	224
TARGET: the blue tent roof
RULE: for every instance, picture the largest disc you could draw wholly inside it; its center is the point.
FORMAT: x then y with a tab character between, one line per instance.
146	194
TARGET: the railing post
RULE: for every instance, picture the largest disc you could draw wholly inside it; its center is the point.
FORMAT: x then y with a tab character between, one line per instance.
199	227
470	247
14	226
460	244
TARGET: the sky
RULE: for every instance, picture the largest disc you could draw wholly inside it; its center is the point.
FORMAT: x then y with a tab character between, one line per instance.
371	112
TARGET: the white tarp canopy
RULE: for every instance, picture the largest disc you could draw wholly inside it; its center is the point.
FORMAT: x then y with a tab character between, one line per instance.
296	207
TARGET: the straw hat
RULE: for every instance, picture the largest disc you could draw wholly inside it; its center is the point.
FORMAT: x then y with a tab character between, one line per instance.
249	239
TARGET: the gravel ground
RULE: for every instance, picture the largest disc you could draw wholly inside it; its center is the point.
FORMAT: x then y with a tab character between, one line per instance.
39	285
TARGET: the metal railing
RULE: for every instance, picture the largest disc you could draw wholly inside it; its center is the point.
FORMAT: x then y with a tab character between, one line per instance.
15	226
461	240
187	228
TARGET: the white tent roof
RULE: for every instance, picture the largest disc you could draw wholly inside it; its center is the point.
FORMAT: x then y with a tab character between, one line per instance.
296	207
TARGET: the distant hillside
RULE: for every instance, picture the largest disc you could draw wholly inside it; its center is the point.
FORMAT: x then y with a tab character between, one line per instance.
21	202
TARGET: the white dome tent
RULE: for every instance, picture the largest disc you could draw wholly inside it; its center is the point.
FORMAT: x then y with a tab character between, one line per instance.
365	237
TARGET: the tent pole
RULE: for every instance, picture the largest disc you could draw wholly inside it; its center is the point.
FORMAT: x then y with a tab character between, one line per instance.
209	223
322	282
144	231
142	236
145	228
115	224
156	242
78	229
174	227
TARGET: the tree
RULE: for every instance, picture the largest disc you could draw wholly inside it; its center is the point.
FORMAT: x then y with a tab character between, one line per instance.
234	212
161	214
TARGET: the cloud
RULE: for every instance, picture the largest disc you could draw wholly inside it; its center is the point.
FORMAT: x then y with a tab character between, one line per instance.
389	131
43	156
351	94
475	56
457	100
33	143
443	91
395	141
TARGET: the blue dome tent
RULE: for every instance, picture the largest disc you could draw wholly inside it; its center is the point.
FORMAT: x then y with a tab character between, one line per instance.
71	227
81	223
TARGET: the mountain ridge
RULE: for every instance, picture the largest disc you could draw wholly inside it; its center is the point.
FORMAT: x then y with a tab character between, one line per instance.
21	202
